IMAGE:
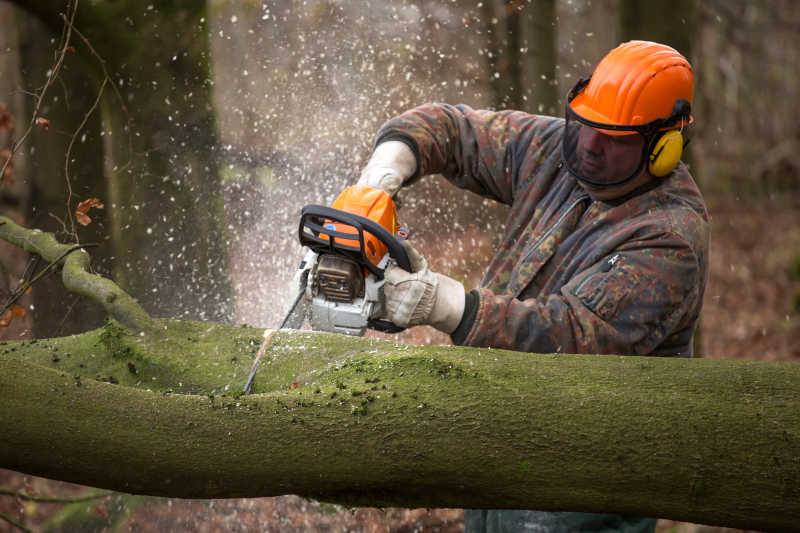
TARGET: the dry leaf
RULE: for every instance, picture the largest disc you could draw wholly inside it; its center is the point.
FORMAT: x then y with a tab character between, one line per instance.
44	123
80	212
6	122
10	314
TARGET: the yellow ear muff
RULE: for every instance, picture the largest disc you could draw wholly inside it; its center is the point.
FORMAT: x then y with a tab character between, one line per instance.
666	153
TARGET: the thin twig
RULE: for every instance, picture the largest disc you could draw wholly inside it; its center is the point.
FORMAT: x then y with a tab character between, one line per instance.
14	523
69	150
44	499
50	79
106	76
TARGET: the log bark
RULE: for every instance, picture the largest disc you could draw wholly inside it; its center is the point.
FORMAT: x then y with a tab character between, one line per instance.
368	422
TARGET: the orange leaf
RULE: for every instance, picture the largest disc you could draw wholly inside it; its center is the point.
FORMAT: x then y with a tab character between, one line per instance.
82	219
85	205
10	314
6	123
44	123
80	212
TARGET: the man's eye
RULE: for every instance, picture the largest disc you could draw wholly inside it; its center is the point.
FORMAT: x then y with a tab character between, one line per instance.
625	140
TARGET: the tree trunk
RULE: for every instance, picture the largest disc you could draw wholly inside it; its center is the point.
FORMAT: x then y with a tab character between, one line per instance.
367	422
540	82
164	199
501	23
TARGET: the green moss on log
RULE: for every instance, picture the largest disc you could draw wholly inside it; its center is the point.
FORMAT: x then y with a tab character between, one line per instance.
368	422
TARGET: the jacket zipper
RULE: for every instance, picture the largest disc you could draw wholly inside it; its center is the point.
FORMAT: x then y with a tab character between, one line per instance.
553	227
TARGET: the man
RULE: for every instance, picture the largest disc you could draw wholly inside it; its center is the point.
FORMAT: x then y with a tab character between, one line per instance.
605	247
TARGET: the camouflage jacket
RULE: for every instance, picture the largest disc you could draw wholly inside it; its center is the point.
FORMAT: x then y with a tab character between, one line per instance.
572	274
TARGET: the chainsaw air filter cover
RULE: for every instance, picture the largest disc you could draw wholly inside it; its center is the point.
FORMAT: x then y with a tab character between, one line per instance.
340	278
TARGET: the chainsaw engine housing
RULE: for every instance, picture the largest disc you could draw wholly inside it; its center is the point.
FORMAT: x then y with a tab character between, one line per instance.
342	299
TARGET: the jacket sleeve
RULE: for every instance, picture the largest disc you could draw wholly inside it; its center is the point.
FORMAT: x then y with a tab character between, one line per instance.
481	151
626	304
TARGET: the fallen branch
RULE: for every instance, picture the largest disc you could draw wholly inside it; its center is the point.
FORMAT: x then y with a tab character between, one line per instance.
75	275
14	523
45	499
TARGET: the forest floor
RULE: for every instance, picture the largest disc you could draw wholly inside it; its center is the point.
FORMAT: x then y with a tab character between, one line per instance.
752	311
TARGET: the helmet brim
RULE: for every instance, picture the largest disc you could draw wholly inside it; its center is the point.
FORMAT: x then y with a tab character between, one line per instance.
580	106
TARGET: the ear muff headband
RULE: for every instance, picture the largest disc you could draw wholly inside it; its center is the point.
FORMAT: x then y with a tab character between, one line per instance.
666	153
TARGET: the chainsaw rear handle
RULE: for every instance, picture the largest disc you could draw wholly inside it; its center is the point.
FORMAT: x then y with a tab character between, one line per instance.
312	225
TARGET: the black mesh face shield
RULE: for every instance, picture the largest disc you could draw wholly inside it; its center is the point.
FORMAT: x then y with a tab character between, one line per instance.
609	155
602	155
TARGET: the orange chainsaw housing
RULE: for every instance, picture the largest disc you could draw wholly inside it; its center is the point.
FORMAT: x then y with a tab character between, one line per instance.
374	204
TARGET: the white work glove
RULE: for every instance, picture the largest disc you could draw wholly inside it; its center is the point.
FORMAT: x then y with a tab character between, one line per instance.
422	297
391	164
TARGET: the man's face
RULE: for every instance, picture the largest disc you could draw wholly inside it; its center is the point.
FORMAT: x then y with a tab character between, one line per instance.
606	158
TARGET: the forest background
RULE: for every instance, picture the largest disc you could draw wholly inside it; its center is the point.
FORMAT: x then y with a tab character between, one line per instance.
203	128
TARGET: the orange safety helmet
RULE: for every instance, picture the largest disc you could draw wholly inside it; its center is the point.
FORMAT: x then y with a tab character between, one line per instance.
641	89
636	83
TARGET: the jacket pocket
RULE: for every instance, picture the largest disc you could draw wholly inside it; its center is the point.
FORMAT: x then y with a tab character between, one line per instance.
607	290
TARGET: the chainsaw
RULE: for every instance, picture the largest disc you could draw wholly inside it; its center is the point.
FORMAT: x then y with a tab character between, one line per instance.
339	282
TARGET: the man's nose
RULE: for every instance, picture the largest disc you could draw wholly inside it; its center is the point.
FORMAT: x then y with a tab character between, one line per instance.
594	141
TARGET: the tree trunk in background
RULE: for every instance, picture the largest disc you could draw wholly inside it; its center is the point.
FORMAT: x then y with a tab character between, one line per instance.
367	422
501	22
671	23
540	82
66	105
164	200
13	195
674	24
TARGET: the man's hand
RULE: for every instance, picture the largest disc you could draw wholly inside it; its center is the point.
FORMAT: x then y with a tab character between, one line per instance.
391	164
422	297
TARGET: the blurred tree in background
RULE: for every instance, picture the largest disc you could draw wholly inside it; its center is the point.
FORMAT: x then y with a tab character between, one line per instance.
134	104
219	120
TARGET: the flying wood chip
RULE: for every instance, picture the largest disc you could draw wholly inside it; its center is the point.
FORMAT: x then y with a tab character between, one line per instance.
80	212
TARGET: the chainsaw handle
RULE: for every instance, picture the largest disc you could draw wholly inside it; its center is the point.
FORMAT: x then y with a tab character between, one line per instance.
313	217
384	326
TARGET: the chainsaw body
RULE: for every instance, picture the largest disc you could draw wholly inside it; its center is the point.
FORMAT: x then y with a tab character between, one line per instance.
340	280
